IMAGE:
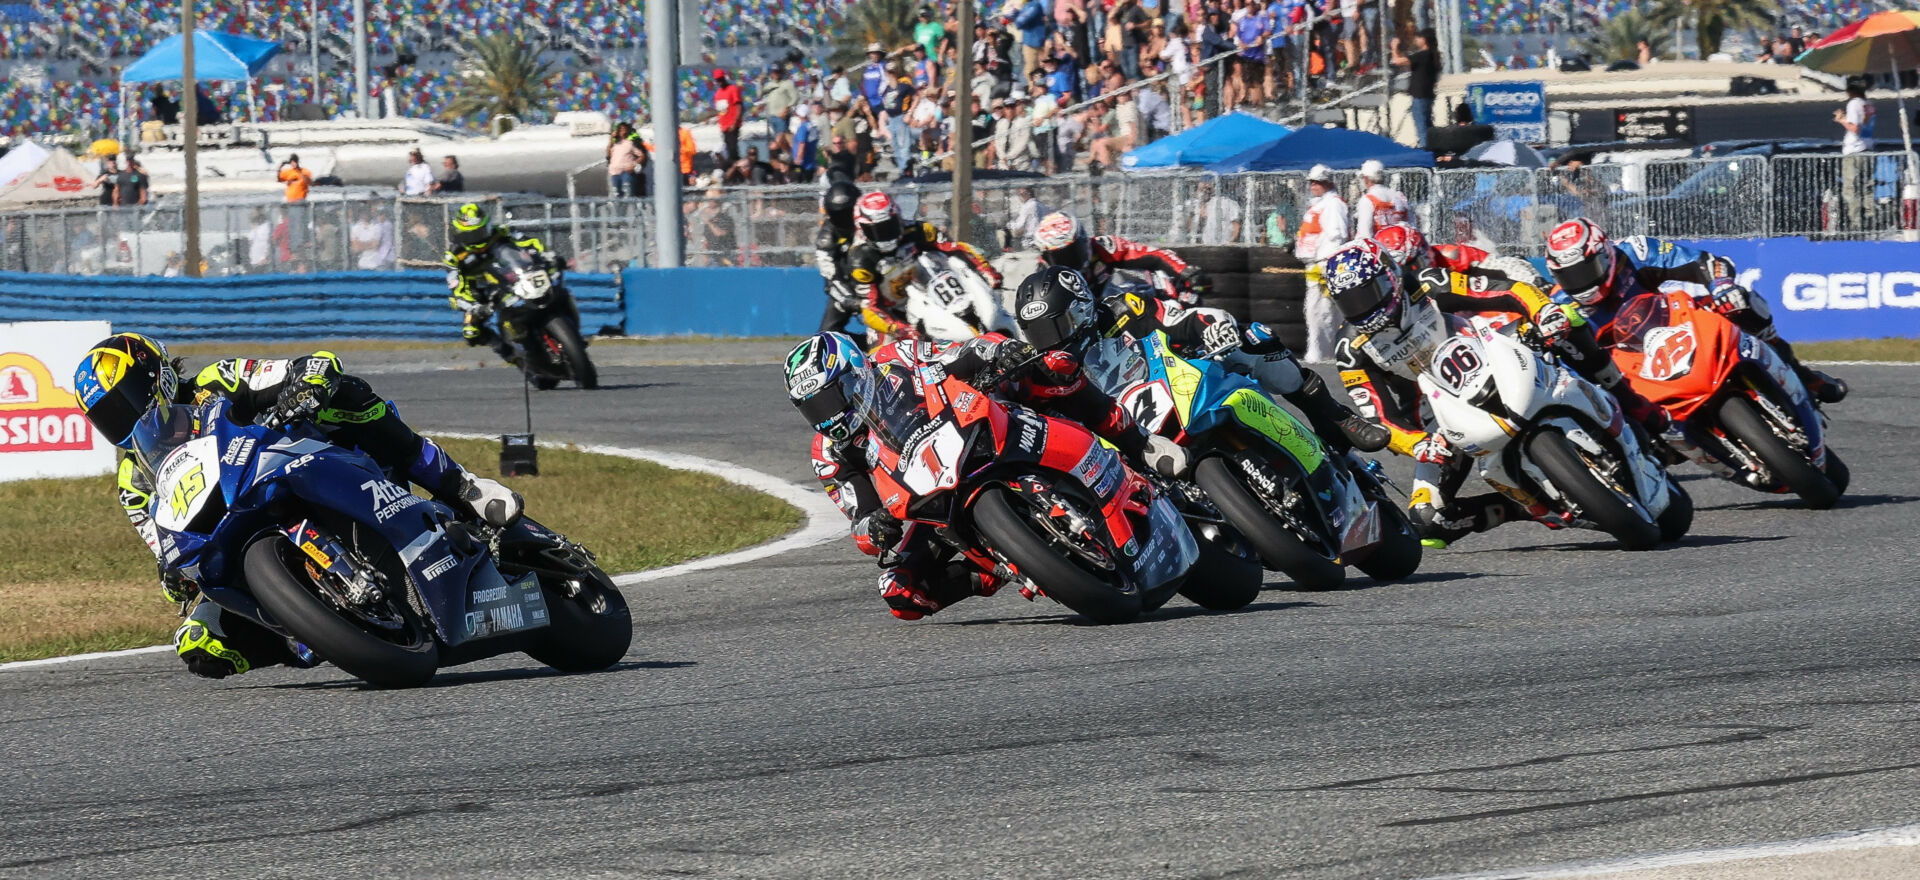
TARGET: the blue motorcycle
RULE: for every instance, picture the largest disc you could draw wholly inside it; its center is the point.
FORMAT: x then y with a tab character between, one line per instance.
317	544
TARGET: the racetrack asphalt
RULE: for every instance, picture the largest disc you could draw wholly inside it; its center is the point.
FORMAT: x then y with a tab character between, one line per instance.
1529	698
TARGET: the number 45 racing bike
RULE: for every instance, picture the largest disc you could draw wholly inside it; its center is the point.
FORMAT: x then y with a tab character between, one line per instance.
1040	502
315	543
1732	395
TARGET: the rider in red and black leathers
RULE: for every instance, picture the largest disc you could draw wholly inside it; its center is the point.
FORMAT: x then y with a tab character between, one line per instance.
1063	242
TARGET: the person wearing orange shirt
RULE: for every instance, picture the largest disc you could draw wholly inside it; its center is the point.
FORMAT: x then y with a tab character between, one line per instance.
297	179
686	154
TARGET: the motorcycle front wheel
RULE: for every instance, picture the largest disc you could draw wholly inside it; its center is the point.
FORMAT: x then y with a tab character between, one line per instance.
1595	501
399	656
1744	425
1030	548
572	351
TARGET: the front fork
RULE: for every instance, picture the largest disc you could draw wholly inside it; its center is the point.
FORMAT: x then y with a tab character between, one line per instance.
341	572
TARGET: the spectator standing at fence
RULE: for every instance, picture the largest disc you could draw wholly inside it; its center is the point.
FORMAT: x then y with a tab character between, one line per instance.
806	142
1210	217
130	185
1423	73
1026	218
259	242
687	149
1379	205
1323	229
372	239
165	109
419	177
623	162
109	172
728	107
298	180
450	180
1856	169
1156	115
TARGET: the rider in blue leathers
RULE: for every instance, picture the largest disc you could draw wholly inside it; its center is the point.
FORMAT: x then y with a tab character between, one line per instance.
1602	275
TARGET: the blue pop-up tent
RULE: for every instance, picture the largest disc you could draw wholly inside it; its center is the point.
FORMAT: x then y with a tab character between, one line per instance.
1332	147
1210	141
216	56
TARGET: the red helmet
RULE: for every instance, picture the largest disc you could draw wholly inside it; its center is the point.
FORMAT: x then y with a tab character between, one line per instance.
1062	241
877	220
1582	260
1406	245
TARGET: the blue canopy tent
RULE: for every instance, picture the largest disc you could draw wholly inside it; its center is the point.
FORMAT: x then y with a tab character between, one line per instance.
216	56
1332	147
1211	141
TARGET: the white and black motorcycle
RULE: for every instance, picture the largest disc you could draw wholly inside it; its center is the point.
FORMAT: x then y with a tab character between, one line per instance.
1541	434
948	301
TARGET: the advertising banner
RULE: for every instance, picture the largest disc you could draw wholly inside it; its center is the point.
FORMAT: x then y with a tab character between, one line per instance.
1516	110
1826	290
42	430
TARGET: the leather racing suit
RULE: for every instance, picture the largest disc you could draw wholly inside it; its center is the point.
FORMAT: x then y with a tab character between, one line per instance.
471	289
880	279
832	249
1108	253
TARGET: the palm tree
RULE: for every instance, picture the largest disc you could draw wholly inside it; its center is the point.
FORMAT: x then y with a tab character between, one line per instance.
1711	19
1620	38
887	22
501	76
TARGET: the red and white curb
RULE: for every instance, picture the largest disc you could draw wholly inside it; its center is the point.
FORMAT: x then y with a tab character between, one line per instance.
820	522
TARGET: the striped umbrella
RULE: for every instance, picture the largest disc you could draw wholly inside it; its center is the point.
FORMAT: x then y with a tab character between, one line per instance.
1888	41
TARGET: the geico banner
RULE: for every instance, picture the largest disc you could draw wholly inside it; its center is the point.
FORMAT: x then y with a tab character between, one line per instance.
1823	290
42	431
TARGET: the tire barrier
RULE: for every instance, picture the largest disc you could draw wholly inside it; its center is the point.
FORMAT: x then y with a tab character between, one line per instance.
1265	284
375	305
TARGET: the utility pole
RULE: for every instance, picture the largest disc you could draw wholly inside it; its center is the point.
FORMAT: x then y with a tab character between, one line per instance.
313	51
662	70
960	224
361	103
190	131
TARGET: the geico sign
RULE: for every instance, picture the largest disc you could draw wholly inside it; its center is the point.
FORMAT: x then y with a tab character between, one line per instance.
1511	99
1806	292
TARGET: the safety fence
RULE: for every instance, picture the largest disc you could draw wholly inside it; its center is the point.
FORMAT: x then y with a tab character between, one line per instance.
1825	197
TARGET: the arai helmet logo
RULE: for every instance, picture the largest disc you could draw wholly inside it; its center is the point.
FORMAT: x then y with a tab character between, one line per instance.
1033	310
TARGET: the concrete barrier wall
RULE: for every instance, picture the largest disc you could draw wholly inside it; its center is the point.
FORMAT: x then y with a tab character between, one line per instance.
723	302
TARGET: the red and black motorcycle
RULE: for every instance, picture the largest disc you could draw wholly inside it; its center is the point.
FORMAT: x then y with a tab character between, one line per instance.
1038	501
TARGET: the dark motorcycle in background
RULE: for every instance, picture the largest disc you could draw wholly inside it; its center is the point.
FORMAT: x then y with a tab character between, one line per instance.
539	317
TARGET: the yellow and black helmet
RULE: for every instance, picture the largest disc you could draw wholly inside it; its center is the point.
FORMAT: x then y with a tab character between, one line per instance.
471	228
121	378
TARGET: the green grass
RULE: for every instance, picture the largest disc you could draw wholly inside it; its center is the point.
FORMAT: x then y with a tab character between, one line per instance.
1906	350
75	578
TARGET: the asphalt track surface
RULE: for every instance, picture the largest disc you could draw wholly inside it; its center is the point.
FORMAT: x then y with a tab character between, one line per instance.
1529	698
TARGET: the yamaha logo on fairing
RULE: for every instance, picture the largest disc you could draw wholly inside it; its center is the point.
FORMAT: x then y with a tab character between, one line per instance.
1033	310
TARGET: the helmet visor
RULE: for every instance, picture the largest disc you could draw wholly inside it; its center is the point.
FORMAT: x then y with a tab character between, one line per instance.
1048	331
1582	280
884	230
469	239
1370	306
115	413
1073	254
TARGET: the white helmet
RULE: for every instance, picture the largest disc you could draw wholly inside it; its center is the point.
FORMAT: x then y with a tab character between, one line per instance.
1320	174
1373	170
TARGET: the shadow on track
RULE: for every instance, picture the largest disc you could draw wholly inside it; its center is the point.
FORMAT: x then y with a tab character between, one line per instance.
1790	502
479	676
1164	613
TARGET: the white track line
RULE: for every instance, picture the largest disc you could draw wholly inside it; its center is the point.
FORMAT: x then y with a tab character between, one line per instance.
821	522
1866	363
1901	835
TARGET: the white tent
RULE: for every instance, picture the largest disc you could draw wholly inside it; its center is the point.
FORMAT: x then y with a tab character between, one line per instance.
33	175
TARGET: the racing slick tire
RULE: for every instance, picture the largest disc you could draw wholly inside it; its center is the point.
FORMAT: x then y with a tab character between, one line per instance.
1227	576
1744	424
573	351
589	632
1279	548
1677	519
1397	556
276	578
1597	503
1035	557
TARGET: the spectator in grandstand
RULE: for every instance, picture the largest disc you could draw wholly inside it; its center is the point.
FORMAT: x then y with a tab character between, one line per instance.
450	179
623	162
806	143
921	70
419	178
1423	73
1796	43
727	104
372	238
777	99
1156	114
687	149
1250	31
259	242
896	102
1063	80
1643	54
873	76
1379	205
839	86
1032	20
780	170
297	179
109	172
1856	170
130	185
165	109
205	113
928	34
1323	230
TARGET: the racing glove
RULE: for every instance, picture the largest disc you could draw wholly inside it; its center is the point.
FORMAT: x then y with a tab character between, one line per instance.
1729	298
1433	449
176	586
878	534
1194	284
1165	456
1552	323
297	404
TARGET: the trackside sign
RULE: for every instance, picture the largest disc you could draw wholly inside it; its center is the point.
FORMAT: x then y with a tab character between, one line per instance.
1825	290
43	433
1516	110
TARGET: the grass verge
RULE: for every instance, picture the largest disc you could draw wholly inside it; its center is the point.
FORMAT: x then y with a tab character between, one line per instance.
74	578
1905	350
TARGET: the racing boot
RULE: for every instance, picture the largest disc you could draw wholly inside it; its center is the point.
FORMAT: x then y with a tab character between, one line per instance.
1342	428
485	500
1824	388
1442	526
215	644
910	597
1637	407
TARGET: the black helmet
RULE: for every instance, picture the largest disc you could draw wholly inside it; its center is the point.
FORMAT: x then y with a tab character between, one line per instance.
1054	307
838	203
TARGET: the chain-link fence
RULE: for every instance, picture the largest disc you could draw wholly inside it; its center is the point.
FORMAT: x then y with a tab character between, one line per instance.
1508	210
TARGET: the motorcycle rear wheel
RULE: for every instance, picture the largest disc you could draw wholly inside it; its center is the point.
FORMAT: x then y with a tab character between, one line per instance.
280	584
1030	551
574	351
1223	579
1279	548
1597	503
588	632
1397	556
1677	519
1744	424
